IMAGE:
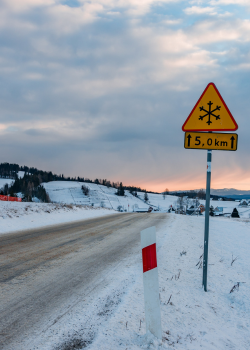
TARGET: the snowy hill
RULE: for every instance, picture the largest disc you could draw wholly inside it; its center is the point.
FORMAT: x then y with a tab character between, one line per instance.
229	192
70	192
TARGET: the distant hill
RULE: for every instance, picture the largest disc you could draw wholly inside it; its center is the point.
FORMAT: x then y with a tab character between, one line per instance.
232	193
224	192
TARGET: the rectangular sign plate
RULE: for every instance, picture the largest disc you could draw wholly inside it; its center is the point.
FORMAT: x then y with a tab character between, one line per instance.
208	140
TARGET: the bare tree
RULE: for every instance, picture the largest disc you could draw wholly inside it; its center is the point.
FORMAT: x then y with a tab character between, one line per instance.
201	194
165	192
180	202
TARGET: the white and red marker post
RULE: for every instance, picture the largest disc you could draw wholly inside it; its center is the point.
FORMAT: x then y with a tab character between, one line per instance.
151	282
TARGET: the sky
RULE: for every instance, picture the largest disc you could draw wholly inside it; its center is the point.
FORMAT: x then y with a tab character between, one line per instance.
101	89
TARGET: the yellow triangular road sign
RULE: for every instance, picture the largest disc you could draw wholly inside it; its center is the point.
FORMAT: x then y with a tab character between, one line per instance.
210	113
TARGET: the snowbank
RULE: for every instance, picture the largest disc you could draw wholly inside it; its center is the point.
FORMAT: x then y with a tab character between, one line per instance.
20	216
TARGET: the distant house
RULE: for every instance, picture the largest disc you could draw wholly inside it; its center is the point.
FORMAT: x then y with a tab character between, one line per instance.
218	211
243	203
192	210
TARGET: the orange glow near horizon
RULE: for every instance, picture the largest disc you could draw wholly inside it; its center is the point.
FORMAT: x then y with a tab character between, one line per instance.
238	180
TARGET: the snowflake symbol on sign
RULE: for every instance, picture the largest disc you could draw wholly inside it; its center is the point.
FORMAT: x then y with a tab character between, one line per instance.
209	113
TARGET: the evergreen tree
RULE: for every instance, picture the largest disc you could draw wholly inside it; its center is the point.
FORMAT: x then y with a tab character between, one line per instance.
235	213
85	190
120	190
145	197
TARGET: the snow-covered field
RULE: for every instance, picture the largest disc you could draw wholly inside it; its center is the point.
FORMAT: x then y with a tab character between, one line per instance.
191	318
70	192
15	216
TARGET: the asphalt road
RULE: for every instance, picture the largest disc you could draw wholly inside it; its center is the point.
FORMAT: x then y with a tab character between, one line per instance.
40	269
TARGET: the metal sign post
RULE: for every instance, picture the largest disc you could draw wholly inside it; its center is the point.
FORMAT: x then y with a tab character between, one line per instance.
209	114
206	234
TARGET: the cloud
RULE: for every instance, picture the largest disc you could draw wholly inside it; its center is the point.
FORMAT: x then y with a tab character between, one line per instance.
24	5
102	89
196	10
230	2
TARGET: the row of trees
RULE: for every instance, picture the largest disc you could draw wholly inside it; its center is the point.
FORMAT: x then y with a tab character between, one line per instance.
8	170
201	194
29	186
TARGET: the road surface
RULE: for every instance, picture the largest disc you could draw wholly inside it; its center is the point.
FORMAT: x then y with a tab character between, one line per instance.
41	270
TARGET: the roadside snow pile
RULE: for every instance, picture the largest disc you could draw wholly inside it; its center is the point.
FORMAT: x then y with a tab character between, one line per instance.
20	216
113	317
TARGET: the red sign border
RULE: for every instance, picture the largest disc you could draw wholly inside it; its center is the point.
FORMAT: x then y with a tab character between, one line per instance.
230	114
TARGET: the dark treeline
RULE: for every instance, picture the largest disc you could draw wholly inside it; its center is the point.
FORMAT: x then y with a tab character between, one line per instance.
201	194
8	170
191	194
30	184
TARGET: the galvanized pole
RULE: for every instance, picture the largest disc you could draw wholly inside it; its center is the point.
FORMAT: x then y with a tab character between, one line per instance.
205	255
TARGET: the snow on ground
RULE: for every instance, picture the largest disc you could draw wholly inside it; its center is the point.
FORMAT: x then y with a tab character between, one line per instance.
20	174
159	201
228	207
99	195
191	318
5	181
20	216
70	192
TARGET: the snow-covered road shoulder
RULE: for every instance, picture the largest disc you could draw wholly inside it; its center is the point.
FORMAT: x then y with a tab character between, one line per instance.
21	216
191	318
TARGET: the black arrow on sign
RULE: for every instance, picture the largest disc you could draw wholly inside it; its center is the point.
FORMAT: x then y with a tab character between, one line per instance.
189	137
232	142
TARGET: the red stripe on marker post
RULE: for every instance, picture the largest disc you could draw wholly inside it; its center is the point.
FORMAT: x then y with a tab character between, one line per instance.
149	260
150	282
